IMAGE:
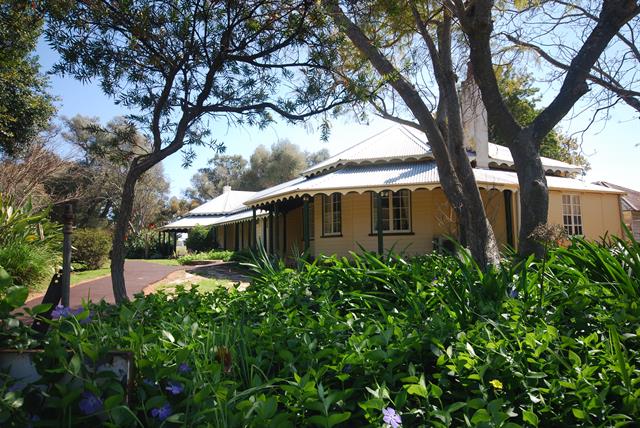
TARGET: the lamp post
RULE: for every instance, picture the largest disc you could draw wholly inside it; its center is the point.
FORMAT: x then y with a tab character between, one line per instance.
66	253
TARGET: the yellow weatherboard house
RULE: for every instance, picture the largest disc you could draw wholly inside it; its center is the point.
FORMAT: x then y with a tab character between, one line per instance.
334	206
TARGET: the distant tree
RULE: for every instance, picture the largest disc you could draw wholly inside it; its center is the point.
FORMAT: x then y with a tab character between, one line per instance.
176	207
266	168
223	170
521	98
179	63
25	106
98	174
313	158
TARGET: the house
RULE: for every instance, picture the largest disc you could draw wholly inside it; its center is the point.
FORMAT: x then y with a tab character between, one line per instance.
236	225
384	193
630	207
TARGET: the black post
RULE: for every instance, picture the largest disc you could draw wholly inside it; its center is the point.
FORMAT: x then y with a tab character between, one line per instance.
66	253
276	230
237	238
305	223
271	232
508	208
284	234
379	222
254	232
175	241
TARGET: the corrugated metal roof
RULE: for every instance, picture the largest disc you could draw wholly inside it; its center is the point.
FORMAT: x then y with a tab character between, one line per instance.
228	202
393	144
190	222
502	156
411	175
399	143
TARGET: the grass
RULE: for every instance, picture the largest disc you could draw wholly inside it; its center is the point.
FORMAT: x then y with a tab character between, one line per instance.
86	275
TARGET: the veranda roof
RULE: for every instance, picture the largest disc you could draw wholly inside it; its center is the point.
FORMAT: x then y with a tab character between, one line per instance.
404	175
190	222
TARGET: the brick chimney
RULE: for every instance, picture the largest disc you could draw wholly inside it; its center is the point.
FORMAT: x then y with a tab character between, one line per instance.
474	120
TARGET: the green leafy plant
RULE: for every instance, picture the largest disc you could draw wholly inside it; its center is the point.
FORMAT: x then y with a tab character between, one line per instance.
91	247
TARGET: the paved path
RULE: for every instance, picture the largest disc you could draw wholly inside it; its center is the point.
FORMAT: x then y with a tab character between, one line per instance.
137	274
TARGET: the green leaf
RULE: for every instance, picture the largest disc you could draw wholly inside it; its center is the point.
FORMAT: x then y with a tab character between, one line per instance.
5	279
75	364
336	418
530	417
481	415
17	295
417	389
579	414
39	309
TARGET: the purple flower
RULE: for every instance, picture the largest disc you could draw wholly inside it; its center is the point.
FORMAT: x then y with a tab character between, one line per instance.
391	418
161	413
90	403
174	388
80	310
60	312
513	293
184	368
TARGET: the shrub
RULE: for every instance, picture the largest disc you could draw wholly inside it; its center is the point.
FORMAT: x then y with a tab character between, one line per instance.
352	342
223	255
28	264
200	239
146	244
91	247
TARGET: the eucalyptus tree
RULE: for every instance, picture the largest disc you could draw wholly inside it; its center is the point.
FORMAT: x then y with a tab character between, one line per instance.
25	106
184	66
524	140
414	50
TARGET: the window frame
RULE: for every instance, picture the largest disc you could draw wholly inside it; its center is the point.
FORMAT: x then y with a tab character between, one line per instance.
391	210
336	214
572	214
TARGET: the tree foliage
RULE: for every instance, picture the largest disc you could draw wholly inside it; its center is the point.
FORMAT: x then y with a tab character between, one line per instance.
96	177
25	105
266	167
522	99
179	64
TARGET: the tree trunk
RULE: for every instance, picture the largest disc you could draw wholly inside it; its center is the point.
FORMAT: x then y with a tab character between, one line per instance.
119	236
454	169
534	193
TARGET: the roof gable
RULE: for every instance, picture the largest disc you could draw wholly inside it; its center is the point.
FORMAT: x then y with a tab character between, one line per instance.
226	203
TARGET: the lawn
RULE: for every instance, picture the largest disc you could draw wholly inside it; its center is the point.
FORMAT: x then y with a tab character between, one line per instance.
166	262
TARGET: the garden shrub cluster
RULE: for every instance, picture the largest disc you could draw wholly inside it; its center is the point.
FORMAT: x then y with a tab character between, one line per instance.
91	247
223	255
200	239
365	341
30	243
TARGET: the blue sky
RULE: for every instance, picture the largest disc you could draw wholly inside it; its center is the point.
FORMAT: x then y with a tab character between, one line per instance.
612	148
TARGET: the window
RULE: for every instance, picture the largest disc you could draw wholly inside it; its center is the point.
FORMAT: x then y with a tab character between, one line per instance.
396	212
571	214
332	214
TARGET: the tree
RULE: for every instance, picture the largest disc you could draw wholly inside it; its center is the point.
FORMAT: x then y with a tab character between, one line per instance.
521	98
524	141
179	63
382	32
223	170
98	174
25	106
266	168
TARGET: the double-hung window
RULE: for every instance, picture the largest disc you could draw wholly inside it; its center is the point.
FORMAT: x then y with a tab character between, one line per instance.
332	214
571	214
396	212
